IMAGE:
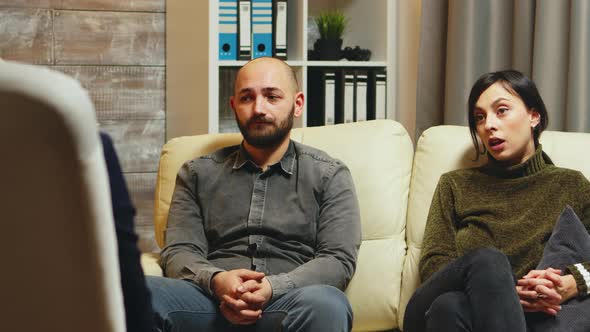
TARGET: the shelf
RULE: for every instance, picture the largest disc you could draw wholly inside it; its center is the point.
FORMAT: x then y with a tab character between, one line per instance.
301	34
240	63
320	63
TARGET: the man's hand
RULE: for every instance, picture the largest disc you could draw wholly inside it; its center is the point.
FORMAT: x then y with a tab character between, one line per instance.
227	282
248	307
230	285
253	295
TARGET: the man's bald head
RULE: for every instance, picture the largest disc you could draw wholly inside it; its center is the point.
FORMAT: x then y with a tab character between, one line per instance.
267	64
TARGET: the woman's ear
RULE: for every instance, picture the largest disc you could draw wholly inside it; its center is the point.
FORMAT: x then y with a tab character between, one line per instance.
535	118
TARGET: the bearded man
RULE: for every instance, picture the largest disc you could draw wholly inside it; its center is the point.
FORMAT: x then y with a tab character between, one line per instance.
263	235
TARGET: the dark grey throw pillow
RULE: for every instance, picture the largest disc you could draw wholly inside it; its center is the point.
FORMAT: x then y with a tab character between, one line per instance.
569	244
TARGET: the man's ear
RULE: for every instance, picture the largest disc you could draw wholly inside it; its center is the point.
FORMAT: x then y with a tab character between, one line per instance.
299	103
231	103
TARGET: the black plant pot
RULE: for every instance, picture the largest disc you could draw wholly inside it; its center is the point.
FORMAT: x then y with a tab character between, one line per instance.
328	49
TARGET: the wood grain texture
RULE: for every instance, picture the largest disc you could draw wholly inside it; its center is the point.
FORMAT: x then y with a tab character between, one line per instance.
27	3
138	142
141	188
115	5
109	38
26	35
111	5
122	92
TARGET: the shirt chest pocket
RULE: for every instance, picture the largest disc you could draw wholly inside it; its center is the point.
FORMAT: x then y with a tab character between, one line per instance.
293	216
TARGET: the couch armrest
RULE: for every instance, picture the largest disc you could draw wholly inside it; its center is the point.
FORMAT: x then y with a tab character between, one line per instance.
149	263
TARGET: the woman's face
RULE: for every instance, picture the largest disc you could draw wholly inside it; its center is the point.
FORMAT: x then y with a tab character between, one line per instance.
505	125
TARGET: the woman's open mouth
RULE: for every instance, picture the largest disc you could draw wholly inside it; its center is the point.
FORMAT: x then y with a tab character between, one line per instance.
496	144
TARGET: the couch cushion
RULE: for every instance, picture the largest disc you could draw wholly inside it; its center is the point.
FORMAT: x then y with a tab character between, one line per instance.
444	148
379	155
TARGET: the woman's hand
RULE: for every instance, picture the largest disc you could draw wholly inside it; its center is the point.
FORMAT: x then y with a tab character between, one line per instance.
545	290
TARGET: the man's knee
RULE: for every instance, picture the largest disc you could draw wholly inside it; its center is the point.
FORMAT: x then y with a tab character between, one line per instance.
324	299
180	305
315	308
169	295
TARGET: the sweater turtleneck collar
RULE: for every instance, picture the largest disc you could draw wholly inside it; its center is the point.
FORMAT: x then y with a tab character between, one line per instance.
535	164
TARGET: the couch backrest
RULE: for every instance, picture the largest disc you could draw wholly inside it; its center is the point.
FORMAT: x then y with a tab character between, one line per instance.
61	270
444	148
379	155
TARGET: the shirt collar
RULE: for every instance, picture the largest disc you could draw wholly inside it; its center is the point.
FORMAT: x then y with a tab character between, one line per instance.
286	164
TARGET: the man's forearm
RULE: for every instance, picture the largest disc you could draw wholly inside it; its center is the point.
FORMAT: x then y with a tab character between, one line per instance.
181	264
322	270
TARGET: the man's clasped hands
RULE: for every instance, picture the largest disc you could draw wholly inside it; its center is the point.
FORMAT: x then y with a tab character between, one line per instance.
242	293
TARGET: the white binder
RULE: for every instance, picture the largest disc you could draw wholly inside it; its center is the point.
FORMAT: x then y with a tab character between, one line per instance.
245	31
361	96
348	97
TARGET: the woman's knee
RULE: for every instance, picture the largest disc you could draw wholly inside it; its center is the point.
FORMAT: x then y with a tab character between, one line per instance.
449	311
489	258
491	265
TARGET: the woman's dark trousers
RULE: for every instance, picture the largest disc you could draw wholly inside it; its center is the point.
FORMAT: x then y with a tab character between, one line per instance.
475	292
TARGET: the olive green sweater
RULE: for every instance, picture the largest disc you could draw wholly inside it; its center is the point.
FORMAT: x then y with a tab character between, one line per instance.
512	209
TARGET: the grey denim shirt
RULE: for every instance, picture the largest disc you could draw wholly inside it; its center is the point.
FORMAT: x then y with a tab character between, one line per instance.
298	221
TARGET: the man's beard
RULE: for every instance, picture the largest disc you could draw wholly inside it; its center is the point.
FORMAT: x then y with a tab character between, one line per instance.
271	136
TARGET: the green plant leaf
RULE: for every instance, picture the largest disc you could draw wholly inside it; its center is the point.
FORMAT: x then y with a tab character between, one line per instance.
331	24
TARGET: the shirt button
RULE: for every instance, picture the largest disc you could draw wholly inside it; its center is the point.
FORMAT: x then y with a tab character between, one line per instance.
252	247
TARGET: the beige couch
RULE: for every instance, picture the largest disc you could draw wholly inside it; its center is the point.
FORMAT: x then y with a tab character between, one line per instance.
394	186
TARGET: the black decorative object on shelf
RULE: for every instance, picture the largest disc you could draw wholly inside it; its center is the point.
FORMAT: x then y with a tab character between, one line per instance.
328	49
356	54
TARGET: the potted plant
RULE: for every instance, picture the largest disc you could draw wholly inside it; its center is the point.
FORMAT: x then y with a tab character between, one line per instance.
331	26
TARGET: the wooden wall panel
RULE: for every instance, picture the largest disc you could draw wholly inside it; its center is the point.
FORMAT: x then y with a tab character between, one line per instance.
118	5
109	38
138	142
27	3
141	188
110	5
116	49
26	35
123	92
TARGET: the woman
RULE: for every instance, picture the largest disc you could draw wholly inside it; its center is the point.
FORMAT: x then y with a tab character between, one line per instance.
487	226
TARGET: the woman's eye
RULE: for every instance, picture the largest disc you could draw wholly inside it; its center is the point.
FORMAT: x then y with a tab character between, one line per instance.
479	117
502	110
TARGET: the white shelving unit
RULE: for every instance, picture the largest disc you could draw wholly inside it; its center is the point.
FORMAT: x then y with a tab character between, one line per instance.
370	27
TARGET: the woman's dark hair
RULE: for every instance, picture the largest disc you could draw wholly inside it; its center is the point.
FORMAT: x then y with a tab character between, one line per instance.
517	84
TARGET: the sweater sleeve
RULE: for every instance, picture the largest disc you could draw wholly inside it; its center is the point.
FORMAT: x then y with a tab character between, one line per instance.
581	270
581	273
439	246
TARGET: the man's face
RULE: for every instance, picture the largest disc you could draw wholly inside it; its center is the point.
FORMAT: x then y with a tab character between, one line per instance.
265	102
